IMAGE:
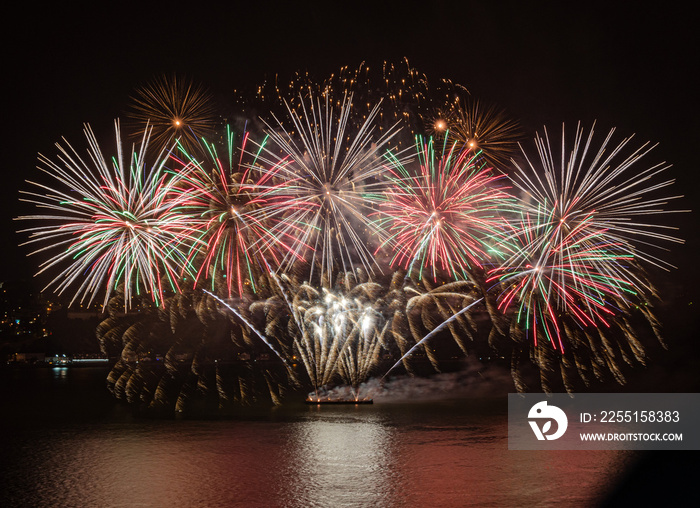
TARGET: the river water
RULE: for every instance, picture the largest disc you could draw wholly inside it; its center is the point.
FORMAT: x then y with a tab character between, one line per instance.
66	442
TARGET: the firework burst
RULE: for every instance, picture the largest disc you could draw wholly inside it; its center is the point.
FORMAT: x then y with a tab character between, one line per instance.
592	190
572	252
173	107
408	97
483	127
443	216
337	334
111	221
230	202
551	270
330	179
286	234
340	333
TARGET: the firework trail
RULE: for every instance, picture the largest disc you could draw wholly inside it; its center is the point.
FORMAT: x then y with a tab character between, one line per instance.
112	221
432	333
247	323
197	347
330	177
426	306
443	216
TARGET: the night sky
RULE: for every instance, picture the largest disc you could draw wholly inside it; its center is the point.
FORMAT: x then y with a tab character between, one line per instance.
544	62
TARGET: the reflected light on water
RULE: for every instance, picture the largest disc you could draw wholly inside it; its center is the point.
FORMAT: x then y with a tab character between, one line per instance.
78	447
60	373
340	457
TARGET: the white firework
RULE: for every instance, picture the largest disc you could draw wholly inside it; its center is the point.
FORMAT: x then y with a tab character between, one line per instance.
331	178
107	223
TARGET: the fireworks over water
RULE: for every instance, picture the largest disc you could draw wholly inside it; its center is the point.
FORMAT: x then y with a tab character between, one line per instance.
348	252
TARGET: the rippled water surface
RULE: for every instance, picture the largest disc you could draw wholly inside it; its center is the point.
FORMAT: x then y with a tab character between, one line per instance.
65	442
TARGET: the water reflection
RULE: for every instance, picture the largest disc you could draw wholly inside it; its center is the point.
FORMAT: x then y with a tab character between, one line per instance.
341	456
74	448
60	373
447	454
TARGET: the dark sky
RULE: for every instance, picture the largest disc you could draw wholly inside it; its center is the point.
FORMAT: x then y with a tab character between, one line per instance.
545	62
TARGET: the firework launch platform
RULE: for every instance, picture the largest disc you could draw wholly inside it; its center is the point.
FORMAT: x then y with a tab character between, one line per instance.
324	401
